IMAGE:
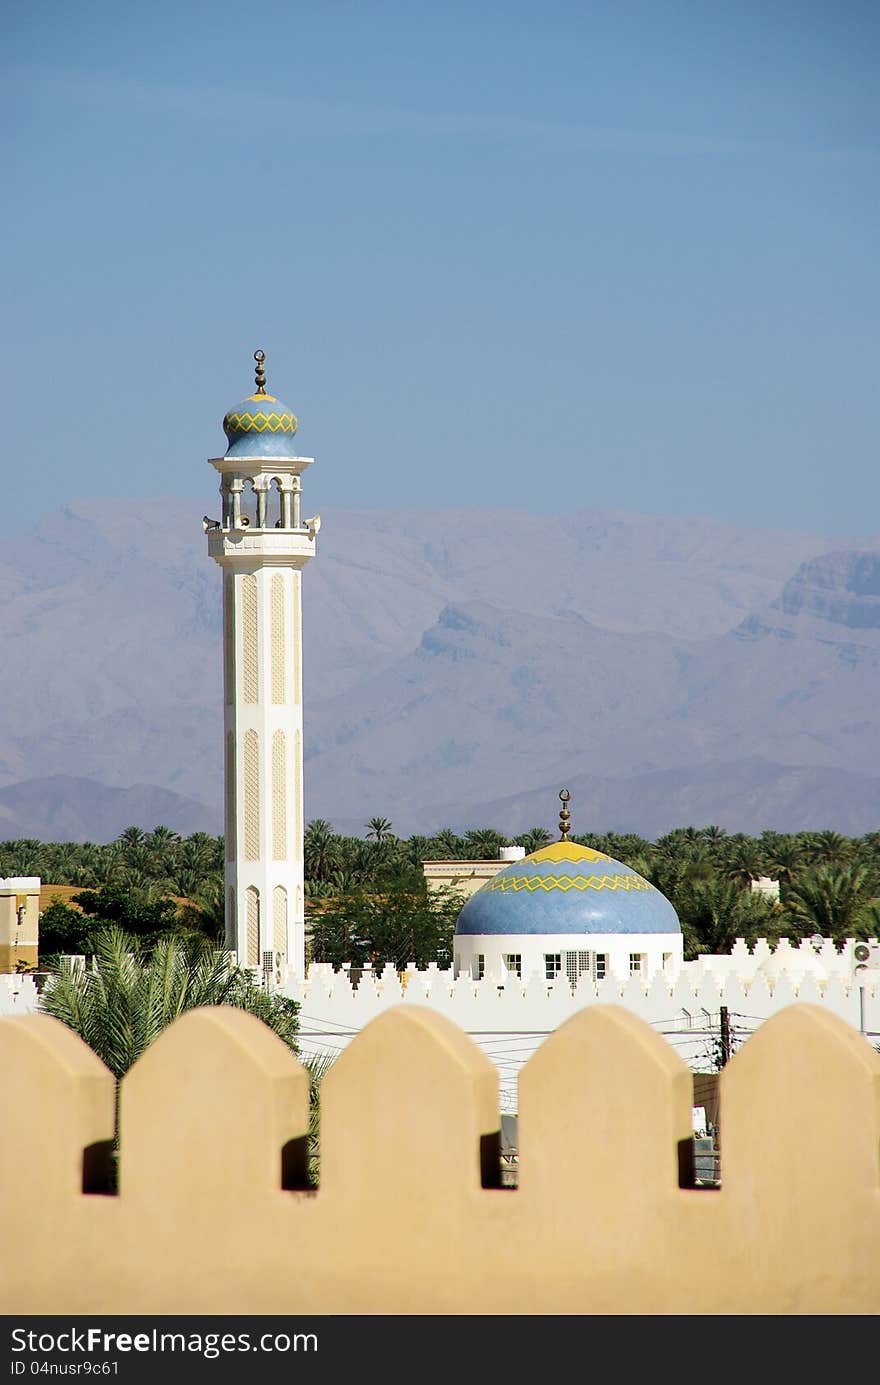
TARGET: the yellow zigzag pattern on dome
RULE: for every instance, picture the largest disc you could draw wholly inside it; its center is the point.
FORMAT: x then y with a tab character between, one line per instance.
261	423
506	884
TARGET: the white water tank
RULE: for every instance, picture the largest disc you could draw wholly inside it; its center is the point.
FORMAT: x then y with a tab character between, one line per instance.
511	853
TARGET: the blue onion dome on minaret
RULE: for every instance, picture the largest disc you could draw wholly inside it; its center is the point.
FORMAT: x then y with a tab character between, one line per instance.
566	888
260	426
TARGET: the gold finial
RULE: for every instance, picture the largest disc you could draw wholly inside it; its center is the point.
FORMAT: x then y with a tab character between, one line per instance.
260	372
564	815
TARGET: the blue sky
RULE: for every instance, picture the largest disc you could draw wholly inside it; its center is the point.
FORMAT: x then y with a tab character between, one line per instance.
620	255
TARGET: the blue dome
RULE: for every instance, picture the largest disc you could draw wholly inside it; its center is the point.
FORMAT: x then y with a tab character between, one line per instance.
566	888
261	426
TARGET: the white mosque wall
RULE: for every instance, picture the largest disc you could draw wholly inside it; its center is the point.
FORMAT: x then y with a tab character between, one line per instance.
18	994
602	954
509	1018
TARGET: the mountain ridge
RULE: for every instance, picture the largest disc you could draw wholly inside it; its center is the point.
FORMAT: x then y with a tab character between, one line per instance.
454	659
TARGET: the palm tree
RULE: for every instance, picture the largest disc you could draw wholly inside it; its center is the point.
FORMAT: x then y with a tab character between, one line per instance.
417	850
124	1000
197	854
827	848
131	836
534	839
622	845
22	857
121	1004
714	913
206	910
742	862
782	854
679	840
446	844
484	843
138	857
109	867
186	883
161	840
321	849
835	903
713	834
379	829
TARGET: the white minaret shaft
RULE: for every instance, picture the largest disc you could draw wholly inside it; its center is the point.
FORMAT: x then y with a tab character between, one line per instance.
262	546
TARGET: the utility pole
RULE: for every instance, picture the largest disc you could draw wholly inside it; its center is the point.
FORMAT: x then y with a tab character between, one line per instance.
725	1036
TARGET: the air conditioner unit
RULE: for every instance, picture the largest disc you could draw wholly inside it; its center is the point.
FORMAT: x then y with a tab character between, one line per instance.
866	955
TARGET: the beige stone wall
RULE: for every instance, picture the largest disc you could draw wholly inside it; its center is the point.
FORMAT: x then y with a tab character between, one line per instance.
11	957
19	926
465	877
402	1222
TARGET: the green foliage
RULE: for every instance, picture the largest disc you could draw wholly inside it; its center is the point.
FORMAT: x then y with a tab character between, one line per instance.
715	912
836	902
206	910
399	922
63	929
829	884
131	910
123	1000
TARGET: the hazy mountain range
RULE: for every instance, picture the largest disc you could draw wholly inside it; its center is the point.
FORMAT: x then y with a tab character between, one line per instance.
460	666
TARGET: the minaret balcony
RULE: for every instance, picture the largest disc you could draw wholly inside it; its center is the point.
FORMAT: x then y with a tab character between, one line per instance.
261	545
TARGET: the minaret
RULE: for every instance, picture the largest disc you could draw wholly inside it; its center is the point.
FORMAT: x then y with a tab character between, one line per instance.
262	545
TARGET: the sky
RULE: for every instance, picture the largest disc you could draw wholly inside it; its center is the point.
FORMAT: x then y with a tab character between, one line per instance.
556	256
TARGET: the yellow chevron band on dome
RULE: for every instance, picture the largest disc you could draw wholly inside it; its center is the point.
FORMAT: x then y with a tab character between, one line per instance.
513	884
260	423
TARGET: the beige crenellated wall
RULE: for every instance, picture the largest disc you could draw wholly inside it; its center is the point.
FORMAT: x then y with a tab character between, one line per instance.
401	1222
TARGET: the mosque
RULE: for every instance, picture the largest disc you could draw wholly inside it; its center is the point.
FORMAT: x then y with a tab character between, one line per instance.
564	910
567	909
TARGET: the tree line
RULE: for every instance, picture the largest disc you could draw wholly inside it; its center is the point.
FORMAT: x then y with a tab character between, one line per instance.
367	900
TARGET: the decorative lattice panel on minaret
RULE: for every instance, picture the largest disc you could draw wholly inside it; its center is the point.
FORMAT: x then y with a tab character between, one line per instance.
279	919
297	779
252	910
279	797
297	639
230	796
251	796
229	637
279	652
250	670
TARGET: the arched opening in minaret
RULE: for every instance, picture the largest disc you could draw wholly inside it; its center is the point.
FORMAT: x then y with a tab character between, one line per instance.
282	506
249	506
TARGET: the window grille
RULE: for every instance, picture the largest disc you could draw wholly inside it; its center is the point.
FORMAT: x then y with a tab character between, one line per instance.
576	963
552	965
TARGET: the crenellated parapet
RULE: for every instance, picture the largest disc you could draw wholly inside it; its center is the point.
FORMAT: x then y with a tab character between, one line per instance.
214	1212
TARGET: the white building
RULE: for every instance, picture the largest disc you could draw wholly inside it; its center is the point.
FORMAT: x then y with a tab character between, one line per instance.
262	545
